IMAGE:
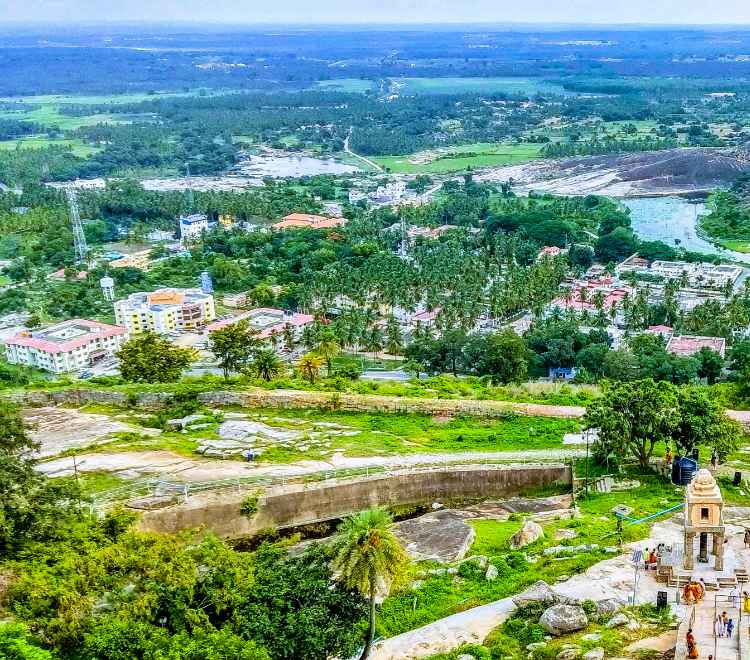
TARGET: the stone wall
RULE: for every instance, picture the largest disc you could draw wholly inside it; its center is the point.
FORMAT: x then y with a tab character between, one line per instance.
297	399
290	506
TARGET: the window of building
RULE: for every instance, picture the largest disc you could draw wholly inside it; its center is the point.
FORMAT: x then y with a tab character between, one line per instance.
704	513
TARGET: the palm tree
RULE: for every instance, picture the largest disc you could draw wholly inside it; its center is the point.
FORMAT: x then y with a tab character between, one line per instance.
267	364
328	348
309	366
369	556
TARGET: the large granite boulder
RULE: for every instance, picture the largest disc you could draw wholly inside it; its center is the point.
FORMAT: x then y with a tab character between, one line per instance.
561	619
441	535
530	532
539	592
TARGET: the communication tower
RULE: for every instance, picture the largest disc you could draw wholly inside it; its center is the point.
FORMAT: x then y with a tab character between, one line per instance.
79	238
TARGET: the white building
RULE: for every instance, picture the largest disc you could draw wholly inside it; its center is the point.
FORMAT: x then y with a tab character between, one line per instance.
65	347
267	321
165	310
192	226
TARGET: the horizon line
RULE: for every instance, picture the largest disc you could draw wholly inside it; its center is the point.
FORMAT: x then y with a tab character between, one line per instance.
360	23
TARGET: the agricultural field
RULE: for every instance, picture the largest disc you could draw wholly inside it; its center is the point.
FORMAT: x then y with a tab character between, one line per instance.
459	158
77	147
353	85
520	86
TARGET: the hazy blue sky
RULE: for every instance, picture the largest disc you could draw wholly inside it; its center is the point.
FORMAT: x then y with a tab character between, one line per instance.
356	11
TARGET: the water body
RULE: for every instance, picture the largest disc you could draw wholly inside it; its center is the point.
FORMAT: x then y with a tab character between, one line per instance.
673	220
291	166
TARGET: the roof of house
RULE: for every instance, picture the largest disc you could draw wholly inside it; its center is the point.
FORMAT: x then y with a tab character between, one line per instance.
687	345
269	314
659	329
44	340
308	220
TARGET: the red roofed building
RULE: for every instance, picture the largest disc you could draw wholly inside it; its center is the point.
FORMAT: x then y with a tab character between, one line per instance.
308	221
266	320
549	251
65	347
688	345
661	330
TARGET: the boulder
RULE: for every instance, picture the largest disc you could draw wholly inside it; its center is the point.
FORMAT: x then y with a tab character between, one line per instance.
465	656
530	532
539	592
594	654
491	573
591	637
569	653
441	535
608	606
617	620
535	645
561	619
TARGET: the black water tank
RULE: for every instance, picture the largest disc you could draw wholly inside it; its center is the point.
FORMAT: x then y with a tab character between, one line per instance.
737	479
683	469
661	600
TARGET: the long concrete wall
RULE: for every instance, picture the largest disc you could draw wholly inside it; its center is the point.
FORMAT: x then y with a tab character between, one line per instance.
292	506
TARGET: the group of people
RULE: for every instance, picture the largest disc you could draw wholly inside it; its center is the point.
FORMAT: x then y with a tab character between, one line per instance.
723	626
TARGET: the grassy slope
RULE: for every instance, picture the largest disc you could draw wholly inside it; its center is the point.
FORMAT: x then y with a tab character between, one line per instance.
441	596
377	434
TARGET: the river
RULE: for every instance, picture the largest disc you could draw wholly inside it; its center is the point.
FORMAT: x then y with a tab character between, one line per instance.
673	220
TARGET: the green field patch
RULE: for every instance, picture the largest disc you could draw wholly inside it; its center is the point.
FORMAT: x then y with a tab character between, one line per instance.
521	86
459	158
352	85
77	147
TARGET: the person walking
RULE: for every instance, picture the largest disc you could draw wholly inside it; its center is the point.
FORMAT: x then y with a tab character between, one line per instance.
730	627
747	538
724	623
692	647
717	626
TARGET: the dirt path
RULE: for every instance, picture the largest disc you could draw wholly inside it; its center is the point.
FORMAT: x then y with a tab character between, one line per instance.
180	468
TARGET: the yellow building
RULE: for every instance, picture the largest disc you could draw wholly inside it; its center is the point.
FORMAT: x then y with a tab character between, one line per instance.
165	310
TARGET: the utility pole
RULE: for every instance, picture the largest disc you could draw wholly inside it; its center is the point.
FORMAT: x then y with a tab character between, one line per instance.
79	237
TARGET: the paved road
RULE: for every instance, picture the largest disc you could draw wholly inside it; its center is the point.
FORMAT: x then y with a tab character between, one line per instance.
371	163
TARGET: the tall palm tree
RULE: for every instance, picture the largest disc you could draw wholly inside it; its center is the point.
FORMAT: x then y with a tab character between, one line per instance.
369	556
328	348
309	366
267	364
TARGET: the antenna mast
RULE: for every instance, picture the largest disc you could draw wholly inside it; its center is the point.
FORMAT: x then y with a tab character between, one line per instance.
79	238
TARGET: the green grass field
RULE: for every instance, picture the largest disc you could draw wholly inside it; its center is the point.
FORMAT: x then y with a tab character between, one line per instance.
457	159
353	85
78	147
522	86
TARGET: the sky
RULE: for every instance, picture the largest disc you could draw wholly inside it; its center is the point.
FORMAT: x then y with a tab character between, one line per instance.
725	12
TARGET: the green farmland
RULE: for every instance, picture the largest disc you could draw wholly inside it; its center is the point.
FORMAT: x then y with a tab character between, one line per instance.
522	86
457	159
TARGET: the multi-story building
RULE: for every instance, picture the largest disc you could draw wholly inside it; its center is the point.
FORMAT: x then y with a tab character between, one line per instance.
165	310
65	347
192	226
